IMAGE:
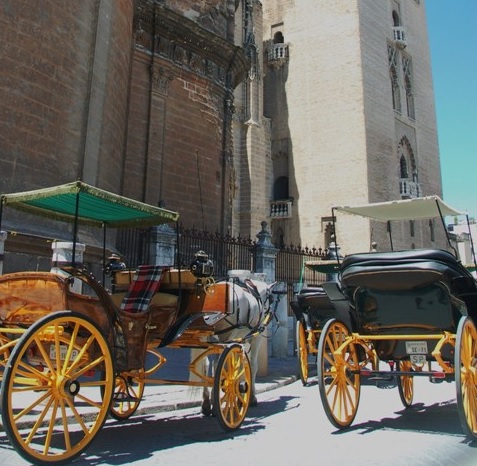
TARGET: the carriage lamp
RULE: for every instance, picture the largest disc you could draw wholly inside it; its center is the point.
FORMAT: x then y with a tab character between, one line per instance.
114	264
202	268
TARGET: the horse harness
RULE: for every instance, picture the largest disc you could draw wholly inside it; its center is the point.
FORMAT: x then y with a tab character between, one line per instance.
249	287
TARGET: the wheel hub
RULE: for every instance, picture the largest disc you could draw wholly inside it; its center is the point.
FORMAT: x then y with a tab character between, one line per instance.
72	387
243	386
67	387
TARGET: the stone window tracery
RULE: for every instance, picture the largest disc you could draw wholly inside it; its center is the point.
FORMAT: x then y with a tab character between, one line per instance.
407	72
394	76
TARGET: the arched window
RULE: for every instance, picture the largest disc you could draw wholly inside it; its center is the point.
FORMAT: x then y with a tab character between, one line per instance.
431	230
408	170
278	38
280	189
393	74
396	20
403	167
407	72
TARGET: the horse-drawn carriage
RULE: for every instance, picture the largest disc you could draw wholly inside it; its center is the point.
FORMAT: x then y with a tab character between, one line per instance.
398	315
69	358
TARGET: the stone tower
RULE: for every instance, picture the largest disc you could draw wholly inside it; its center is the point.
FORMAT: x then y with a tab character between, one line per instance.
348	88
252	133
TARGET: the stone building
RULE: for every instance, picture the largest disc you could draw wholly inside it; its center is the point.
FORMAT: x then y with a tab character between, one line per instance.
132	96
348	88
230	112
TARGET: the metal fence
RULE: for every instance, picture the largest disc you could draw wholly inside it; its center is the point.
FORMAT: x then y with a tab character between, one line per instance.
290	268
227	253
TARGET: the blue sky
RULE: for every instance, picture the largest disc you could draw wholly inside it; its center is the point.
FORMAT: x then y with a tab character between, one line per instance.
452	28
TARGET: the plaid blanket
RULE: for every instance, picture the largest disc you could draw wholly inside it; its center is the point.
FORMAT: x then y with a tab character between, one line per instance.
145	283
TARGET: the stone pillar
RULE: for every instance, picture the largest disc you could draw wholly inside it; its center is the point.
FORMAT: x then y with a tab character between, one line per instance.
266	255
63	256
163	245
280	326
3	238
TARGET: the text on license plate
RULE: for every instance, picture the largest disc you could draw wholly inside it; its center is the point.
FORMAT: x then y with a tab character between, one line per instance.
63	350
416	347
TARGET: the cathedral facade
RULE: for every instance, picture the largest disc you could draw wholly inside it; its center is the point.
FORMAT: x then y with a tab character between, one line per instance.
231	112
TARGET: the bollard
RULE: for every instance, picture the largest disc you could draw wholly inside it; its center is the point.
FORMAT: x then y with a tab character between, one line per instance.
63	256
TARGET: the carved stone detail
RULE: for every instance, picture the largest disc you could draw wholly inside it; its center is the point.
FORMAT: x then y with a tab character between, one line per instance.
186	43
161	81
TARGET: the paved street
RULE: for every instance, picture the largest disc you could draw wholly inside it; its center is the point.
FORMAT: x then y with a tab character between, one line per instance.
289	427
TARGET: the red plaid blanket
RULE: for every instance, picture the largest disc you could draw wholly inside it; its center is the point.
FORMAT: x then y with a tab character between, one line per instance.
145	283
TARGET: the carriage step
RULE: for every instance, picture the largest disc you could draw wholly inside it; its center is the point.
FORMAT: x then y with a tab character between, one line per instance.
122	398
384	382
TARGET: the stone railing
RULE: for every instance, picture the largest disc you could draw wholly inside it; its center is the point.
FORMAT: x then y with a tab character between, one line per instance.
281	209
399	36
409	189
277	53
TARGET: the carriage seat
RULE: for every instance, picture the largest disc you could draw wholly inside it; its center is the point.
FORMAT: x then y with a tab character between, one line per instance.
145	283
401	270
313	305
406	279
313	297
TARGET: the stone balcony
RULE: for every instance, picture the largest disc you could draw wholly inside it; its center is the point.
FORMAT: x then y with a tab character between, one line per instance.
277	54
281	209
399	36
409	189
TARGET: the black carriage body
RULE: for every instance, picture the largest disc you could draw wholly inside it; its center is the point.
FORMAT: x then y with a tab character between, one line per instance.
413	292
313	307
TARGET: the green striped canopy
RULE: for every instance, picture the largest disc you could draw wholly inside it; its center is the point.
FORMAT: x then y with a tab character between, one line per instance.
89	205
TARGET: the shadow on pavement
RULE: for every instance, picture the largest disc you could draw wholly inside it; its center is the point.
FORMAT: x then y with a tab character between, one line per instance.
438	418
138	438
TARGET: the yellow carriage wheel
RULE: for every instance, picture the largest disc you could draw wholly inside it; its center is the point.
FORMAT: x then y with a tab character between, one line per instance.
302	350
129	387
128	391
57	388
406	384
232	387
466	375
338	374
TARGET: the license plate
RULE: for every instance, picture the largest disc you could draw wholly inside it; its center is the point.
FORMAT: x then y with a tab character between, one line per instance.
416	347
63	350
417	359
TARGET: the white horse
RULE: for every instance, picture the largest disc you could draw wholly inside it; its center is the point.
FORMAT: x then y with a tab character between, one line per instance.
247	299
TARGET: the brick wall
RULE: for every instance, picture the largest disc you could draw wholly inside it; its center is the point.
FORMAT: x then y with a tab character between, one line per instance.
174	143
63	93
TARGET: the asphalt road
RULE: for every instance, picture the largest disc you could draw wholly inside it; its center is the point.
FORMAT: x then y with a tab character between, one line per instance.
289	428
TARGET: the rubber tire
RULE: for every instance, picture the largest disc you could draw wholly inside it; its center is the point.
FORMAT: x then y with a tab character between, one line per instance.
466	375
51	392
340	389
232	387
406	384
133	383
302	352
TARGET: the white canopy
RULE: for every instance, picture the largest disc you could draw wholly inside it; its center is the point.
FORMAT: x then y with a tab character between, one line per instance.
407	209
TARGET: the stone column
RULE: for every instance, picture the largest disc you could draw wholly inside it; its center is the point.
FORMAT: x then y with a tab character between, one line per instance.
266	255
3	238
280	326
63	256
163	245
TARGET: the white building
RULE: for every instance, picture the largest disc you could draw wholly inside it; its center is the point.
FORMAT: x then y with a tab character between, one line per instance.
347	86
